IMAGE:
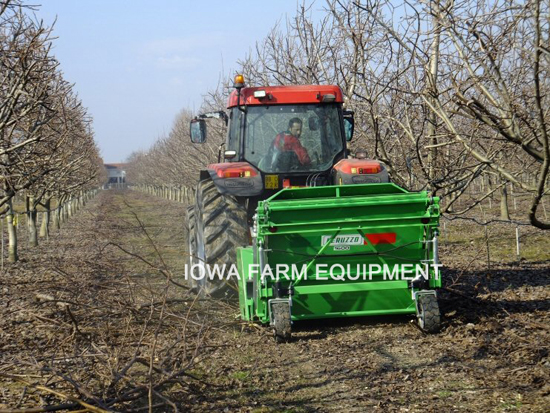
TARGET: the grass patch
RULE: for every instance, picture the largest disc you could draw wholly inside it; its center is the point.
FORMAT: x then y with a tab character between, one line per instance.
534	243
241	375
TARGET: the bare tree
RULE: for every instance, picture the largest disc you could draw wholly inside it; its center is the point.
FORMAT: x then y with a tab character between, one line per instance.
448	95
46	144
477	73
173	161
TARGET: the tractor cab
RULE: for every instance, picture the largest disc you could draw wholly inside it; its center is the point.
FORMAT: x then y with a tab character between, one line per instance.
295	138
280	136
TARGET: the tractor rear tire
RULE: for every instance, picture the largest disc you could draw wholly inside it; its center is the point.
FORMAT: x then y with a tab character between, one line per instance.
429	318
221	227
194	285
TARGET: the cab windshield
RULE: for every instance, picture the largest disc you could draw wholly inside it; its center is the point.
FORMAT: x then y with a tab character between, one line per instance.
288	138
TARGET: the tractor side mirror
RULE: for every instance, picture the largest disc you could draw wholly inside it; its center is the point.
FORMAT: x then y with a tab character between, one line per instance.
349	124
197	129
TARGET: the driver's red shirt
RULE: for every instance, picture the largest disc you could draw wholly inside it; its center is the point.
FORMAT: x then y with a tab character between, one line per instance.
287	142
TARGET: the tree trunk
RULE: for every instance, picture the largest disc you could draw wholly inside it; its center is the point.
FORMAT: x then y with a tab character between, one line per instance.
45	227
504	212
432	93
62	210
70	208
12	234
57	217
32	214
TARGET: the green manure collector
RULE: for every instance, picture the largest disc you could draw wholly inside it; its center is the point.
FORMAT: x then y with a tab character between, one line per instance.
350	251
315	231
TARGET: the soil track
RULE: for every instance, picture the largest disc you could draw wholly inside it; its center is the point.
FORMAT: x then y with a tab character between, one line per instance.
96	313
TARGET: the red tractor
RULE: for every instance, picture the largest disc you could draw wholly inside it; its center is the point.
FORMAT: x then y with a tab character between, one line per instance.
278	137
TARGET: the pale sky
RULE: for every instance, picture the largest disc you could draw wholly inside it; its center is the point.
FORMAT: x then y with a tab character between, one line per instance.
136	64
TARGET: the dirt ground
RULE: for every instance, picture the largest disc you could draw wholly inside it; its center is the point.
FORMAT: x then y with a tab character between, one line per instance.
97	319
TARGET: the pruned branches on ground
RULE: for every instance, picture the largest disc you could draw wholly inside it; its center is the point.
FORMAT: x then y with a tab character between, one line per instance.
106	325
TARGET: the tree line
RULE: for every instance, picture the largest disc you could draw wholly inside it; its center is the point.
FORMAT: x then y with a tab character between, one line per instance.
48	155
452	96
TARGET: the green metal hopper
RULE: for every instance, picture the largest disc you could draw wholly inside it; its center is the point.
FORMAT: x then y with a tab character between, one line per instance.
341	251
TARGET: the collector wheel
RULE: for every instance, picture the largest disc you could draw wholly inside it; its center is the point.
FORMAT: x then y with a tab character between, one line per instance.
429	318
282	327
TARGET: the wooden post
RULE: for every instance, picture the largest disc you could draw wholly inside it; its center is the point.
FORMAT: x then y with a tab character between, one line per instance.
2	235
518	256
12	234
488	250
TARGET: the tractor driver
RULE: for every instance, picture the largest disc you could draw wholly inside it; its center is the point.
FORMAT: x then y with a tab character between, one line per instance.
290	141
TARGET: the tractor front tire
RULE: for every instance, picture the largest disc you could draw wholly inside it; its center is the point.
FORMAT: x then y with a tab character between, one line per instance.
221	227
429	318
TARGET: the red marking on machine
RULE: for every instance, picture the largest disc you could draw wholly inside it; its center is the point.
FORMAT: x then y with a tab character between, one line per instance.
382	238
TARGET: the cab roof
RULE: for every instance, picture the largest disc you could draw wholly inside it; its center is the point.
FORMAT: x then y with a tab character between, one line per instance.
280	95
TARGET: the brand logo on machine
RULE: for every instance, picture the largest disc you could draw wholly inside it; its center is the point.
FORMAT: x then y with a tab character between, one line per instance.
343	240
238	184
